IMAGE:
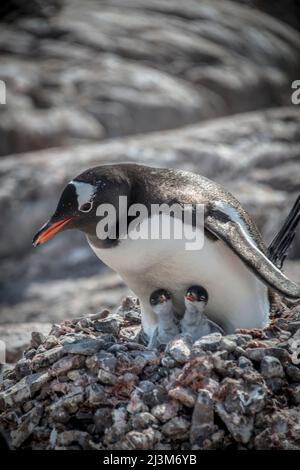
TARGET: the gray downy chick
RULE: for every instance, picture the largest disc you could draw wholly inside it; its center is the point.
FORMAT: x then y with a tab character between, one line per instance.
195	322
161	303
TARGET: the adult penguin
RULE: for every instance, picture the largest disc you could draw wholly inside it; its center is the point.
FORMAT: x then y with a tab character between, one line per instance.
232	264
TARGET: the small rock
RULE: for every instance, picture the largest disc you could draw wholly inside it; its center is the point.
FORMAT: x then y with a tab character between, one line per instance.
165	411
136	404
85	346
239	352
60	415
119	427
30	353
50	342
143	358
177	429
207	343
168	362
23	390
202	418
134	316
28	405
103	419
102	360
223	368
40	349
47	358
210	385
293	372
257	354
295	393
71	401
65	364
242	339
275	384
125	384
135	440
23	367
179	348
293	326
84	378
240	426
66	438
227	344
37	339
128	303
184	395
60	330
106	377
271	367
27	425
143	420
244	363
95	395
156	396
109	325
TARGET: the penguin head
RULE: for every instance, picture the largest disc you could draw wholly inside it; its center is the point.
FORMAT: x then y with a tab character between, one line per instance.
80	199
196	296
161	301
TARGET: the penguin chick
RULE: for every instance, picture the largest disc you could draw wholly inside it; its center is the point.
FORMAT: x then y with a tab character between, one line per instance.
161	303
195	322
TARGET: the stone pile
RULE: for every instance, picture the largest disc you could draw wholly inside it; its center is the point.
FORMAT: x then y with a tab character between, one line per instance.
93	384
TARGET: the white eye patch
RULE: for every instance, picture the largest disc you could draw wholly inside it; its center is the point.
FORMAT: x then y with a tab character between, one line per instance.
85	193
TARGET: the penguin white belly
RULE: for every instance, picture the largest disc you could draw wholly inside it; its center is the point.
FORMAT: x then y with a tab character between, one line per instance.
237	299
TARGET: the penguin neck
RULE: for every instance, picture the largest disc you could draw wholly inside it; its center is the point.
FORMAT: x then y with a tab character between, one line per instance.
194	314
166	320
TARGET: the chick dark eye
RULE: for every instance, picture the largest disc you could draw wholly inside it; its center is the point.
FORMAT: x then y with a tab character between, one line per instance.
86	207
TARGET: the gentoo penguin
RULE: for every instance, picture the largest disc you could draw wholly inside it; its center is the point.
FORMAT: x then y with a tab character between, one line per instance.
161	303
232	263
195	322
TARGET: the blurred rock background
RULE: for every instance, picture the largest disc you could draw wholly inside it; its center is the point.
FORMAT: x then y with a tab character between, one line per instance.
200	85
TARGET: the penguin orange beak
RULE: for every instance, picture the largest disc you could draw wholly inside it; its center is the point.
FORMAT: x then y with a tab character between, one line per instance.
48	231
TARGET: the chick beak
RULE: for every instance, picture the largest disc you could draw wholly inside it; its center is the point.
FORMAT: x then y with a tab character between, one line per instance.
190	297
48	231
162	299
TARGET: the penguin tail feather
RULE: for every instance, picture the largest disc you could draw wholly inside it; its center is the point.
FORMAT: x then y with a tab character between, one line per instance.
278	248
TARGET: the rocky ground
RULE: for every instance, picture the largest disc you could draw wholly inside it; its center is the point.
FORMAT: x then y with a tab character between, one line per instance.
77	74
92	384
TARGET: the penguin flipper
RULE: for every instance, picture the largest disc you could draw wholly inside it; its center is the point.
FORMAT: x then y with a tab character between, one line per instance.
225	222
153	343
215	327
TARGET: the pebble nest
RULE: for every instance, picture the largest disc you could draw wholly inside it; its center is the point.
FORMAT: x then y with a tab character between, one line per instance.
93	384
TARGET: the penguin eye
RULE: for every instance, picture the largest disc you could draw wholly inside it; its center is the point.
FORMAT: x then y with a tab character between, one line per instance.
86	207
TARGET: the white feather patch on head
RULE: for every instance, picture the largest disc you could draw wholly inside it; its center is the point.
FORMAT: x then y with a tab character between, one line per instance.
84	192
